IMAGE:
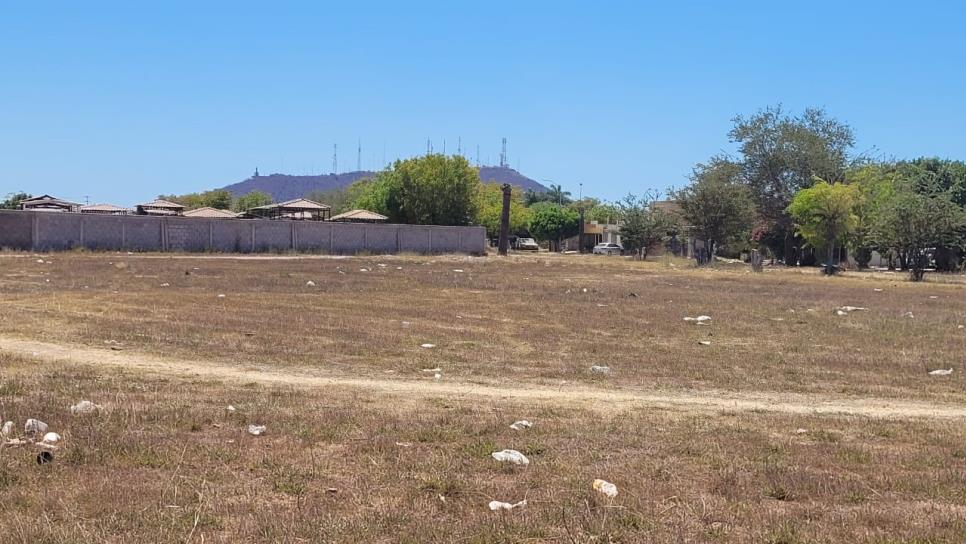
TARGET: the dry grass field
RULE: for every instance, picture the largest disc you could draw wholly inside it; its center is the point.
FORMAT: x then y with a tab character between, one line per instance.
793	425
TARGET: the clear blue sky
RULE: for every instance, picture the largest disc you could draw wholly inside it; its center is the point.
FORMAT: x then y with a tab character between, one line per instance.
120	103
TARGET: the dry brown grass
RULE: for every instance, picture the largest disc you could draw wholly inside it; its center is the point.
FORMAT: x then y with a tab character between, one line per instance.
165	462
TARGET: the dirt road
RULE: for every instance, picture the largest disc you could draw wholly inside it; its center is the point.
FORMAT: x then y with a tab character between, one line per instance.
570	395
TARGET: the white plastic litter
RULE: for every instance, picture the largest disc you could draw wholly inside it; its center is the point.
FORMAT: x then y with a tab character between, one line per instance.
909	315
363	270
597	369
84	407
498	505
877	290
521	425
7	429
941	372
606	488
230	409
933	296
165	284
310	283
511	456
437	369
40	261
257	430
457	270
704	342
221	295
699	319
34	427
437	376
843	310
427	346
51	438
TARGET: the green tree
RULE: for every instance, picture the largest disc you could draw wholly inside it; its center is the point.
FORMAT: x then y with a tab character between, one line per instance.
429	190
557	195
716	207
552	222
12	201
217	198
824	215
643	227
251	200
604	212
490	205
876	184
913	223
938	177
781	155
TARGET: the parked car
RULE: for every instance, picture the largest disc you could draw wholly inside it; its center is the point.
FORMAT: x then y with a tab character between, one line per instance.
526	244
608	248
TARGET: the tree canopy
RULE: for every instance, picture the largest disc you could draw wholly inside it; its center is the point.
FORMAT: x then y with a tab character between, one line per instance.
824	215
217	198
644	227
250	200
490	205
429	190
552	222
716	207
12	201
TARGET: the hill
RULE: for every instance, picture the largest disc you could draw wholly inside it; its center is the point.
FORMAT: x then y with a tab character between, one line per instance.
285	187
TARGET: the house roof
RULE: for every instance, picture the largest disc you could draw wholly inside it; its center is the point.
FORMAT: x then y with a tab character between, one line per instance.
103	208
295	204
47	199
161	203
359	215
210	212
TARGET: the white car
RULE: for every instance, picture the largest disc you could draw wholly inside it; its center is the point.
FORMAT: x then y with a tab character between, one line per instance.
608	249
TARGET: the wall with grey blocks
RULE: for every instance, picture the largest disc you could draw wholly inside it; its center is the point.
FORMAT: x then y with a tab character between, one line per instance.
50	231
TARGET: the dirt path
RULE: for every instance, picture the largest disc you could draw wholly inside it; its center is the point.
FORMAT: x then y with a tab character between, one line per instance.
570	395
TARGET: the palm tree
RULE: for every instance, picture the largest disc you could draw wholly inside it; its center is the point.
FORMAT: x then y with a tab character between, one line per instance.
558	195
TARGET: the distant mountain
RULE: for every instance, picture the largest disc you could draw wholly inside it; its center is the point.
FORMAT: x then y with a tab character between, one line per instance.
284	187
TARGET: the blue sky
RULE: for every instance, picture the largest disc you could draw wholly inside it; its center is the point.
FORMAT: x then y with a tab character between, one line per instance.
119	103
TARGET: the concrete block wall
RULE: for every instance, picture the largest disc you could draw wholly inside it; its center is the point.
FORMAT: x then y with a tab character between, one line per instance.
48	231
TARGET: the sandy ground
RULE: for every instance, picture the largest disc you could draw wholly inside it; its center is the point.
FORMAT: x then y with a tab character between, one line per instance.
598	398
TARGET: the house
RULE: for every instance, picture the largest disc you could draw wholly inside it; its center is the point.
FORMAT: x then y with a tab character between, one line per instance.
299	208
105	209
160	207
208	212
359	216
47	203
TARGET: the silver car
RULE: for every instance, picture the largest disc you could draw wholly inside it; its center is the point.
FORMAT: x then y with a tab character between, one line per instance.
608	248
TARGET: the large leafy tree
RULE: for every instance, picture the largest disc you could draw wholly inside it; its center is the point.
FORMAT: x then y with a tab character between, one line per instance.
251	200
552	222
490	205
876	184
781	154
715	206
644	227
824	215
217	198
429	190
12	201
935	177
913	223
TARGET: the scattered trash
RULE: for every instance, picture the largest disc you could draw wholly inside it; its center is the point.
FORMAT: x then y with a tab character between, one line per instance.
941	372
405	323
877	290
521	425
458	270
221	295
909	315
441	498
699	319
511	456
381	265
331	490
584	290
165	285
597	369
845	310
310	283
632	295
230	409
398	268
51	438
437	369
40	261
363	270
961	327
427	346
7	429
801	431
34	427
45	457
498	505
437	376
704	342
257	430
933	296
404	444
606	488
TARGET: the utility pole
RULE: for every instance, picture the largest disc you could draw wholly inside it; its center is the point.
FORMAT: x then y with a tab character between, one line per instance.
505	220
359	157
335	159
